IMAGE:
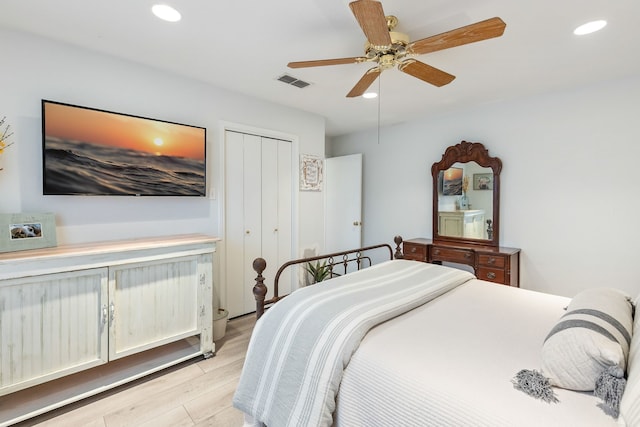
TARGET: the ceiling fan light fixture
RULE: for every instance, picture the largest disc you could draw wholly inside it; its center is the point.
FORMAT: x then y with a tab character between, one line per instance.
369	95
590	27
387	48
166	12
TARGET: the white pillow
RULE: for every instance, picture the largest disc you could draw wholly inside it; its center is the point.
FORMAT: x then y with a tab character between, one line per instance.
630	404
593	335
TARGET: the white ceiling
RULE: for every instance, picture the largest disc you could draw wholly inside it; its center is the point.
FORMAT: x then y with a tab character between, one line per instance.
244	46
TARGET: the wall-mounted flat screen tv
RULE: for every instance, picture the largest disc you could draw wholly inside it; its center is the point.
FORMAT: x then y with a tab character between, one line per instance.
87	151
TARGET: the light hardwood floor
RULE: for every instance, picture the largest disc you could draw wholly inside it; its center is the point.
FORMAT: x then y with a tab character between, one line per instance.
196	393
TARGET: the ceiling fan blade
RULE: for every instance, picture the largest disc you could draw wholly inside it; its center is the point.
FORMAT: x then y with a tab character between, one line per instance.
363	84
323	62
479	31
425	72
372	20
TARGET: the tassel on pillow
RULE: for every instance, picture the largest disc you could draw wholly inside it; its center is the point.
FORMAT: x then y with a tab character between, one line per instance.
610	385
534	384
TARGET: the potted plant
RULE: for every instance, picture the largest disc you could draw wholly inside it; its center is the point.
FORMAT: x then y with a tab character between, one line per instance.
220	318
318	272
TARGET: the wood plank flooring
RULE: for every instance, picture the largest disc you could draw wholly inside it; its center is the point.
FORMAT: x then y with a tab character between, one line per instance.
195	393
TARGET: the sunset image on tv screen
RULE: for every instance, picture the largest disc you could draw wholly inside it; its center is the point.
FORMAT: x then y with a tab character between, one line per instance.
94	152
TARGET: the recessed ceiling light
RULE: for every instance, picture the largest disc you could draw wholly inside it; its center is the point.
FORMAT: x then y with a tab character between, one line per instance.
370	95
590	27
166	12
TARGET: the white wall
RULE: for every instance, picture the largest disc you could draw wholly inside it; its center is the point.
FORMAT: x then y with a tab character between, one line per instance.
34	68
569	196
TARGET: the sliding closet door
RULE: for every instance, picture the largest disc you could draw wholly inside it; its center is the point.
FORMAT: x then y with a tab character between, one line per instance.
258	214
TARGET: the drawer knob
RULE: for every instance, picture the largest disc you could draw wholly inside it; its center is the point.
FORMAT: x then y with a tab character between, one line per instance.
492	260
436	252
491	275
413	250
467	255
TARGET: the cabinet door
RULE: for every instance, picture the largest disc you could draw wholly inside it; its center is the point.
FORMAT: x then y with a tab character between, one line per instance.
152	304
51	326
450	225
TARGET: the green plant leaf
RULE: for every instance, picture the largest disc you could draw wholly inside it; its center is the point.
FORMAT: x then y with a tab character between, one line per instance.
318	272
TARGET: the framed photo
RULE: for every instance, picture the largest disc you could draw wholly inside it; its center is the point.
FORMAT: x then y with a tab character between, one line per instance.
452	182
19	232
483	181
92	152
310	173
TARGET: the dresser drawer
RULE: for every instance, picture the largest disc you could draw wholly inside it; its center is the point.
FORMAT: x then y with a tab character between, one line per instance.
491	274
490	260
462	256
414	251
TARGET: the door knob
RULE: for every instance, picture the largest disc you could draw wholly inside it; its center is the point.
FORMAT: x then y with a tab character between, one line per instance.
357	223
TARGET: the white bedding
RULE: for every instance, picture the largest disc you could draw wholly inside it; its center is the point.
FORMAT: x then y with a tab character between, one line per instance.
299	348
441	365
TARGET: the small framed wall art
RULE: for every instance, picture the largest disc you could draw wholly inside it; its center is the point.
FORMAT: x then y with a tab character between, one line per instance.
452	182
19	232
483	181
310	173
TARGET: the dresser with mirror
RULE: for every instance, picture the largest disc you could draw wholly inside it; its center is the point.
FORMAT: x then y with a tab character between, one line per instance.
466	216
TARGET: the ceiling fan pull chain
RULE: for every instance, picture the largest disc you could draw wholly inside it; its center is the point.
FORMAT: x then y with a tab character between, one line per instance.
379	96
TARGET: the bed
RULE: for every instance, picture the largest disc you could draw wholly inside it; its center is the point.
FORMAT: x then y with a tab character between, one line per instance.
406	343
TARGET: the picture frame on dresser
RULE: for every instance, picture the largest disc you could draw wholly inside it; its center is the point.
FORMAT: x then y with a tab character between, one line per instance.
24	231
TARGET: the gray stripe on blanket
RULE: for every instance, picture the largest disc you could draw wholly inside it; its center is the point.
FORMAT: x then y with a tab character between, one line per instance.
578	323
607	318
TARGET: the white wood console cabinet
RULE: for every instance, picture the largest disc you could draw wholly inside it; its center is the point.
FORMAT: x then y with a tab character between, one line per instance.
78	320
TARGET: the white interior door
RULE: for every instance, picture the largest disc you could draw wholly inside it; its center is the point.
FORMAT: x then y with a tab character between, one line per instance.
276	212
234	223
343	203
252	216
258	215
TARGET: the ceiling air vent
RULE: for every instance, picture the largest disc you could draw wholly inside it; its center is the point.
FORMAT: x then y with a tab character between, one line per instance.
286	78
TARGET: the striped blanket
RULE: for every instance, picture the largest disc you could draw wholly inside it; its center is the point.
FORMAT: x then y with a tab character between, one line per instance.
301	346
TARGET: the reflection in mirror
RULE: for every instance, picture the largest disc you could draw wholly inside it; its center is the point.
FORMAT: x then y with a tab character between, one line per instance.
465	200
466	196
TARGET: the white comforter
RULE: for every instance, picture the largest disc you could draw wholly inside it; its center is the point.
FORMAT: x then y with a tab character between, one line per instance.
450	363
300	347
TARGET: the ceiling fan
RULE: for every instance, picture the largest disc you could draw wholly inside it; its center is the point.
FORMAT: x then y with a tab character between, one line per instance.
388	48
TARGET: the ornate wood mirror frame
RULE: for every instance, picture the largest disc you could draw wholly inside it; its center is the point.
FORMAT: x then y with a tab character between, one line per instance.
459	155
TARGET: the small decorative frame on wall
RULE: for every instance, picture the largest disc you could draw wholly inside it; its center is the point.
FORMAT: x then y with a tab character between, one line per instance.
452	182
19	232
311	173
483	181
